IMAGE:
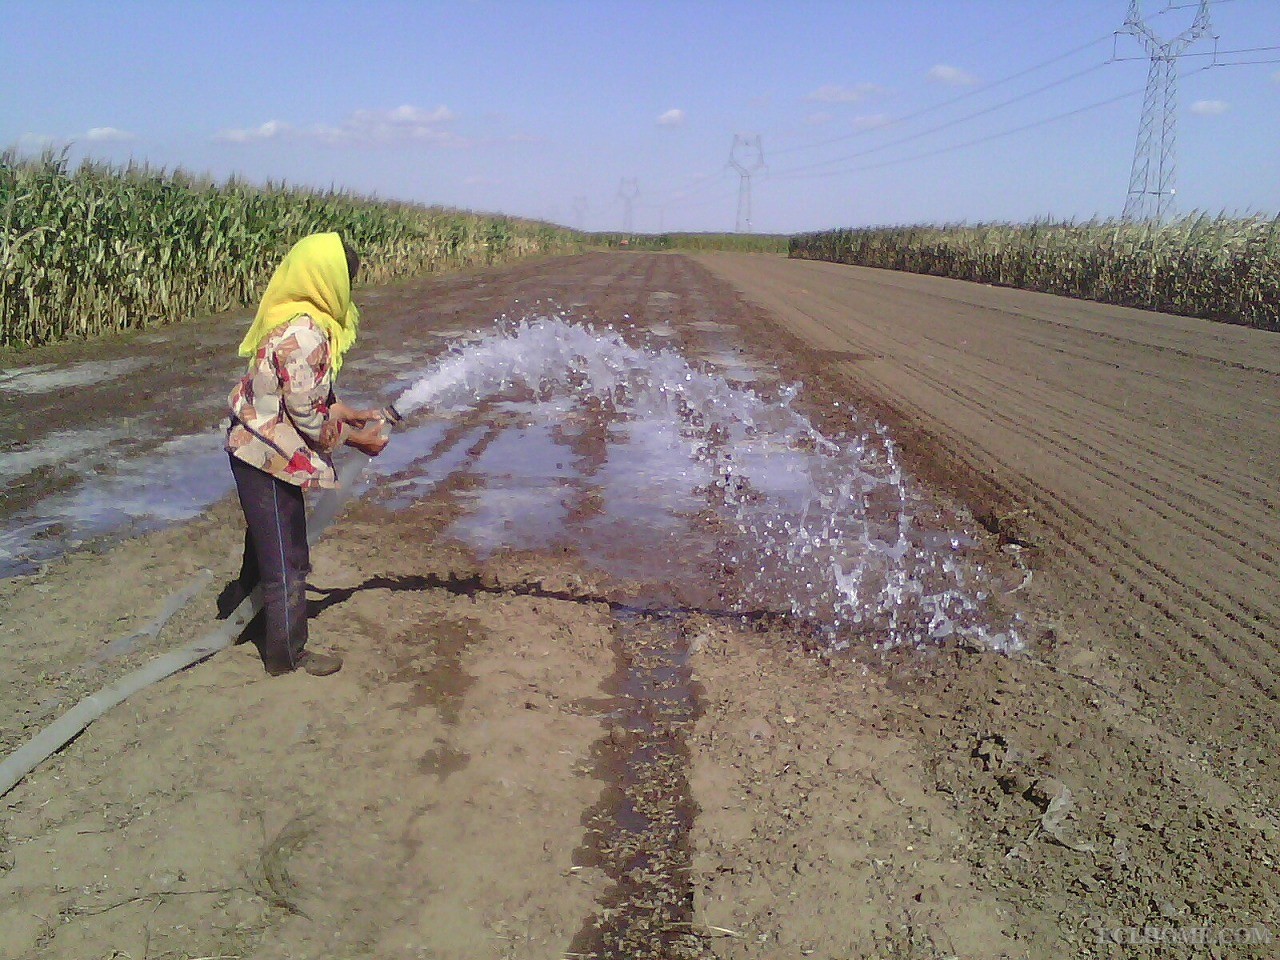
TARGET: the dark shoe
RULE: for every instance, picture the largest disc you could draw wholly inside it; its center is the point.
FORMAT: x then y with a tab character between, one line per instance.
319	664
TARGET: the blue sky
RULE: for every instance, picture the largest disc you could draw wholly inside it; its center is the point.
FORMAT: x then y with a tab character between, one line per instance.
540	108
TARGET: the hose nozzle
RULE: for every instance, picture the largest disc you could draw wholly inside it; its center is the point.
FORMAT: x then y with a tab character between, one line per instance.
391	414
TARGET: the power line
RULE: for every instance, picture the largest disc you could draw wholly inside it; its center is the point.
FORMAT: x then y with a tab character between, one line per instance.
979	140
695	186
923	111
1187	6
1207	53
700	185
710	181
1097	105
942	126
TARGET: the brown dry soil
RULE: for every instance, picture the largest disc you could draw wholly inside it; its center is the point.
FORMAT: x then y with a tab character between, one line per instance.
457	790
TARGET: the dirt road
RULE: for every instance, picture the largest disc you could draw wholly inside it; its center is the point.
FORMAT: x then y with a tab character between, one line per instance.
540	746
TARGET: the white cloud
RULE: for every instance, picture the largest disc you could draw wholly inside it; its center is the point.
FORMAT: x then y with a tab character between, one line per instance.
108	135
400	125
818	119
872	121
267	131
1210	108
672	118
405	124
835	93
951	76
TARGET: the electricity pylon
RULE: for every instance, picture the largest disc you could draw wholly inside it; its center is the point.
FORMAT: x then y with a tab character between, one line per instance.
579	211
628	191
746	156
1152	180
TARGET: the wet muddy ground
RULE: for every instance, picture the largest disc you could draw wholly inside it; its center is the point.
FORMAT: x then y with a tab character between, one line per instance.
560	731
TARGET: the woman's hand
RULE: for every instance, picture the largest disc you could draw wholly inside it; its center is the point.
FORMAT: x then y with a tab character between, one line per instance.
357	418
368	440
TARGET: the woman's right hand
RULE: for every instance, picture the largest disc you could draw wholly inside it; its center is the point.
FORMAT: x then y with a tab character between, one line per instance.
370	440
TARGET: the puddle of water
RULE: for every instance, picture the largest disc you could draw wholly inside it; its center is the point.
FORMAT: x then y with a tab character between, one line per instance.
126	478
529	489
60	447
689	472
175	481
389	358
648	477
415	485
47	377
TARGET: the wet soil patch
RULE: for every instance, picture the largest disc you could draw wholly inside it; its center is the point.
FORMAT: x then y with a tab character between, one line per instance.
639	831
433	666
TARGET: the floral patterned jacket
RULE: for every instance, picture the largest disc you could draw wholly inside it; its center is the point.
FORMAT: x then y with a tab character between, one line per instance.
280	410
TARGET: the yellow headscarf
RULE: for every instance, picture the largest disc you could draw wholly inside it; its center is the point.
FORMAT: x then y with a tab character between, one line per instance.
313	279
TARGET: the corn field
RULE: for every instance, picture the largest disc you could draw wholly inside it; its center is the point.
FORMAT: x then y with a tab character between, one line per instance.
100	248
736	242
1212	267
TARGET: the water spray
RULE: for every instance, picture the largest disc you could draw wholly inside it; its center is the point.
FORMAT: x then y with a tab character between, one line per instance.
823	528
819	529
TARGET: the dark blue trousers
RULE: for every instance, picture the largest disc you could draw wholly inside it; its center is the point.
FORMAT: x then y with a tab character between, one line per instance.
275	557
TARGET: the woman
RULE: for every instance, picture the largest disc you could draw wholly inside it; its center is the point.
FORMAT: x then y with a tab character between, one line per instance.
285	423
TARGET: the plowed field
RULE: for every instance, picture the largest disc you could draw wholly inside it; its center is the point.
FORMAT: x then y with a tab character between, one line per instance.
1136	454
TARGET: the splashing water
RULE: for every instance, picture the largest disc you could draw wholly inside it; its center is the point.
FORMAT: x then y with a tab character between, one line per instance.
820	529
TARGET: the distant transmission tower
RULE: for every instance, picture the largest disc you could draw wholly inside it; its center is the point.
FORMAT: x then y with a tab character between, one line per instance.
579	211
1152	179
746	156
628	191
